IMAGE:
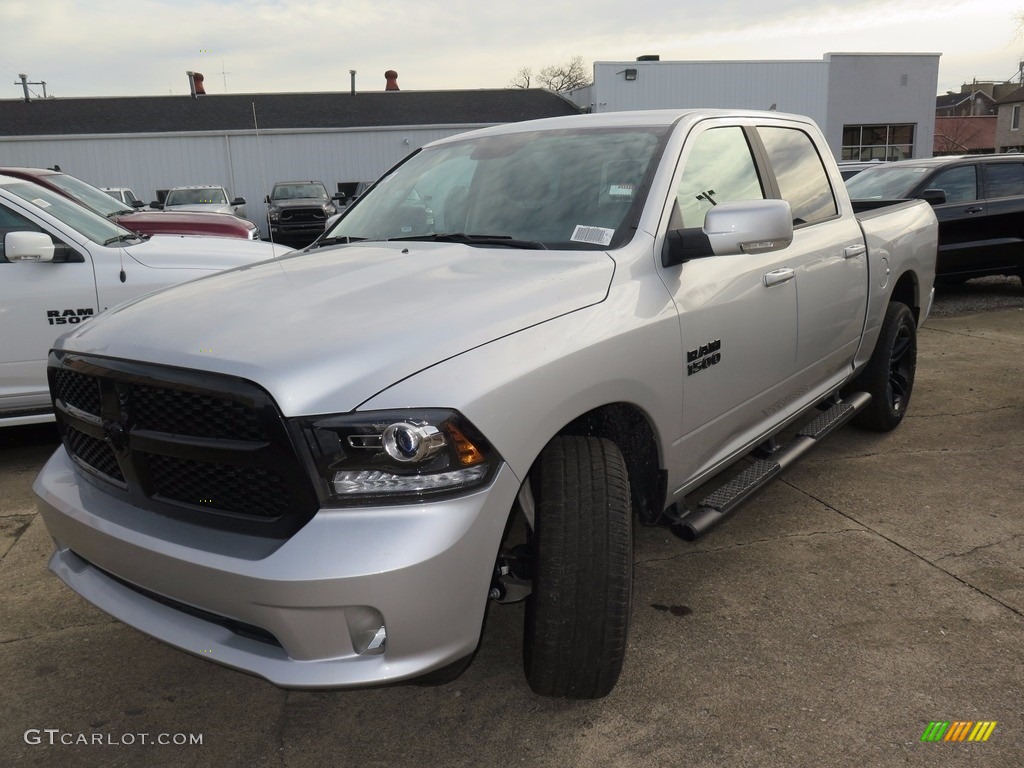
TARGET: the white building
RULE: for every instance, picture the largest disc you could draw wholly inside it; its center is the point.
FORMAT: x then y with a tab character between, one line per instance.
867	104
246	142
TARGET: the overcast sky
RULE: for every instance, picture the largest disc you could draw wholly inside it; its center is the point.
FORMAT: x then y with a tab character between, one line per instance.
144	47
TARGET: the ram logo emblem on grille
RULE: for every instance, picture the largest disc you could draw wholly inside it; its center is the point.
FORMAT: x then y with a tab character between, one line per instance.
116	435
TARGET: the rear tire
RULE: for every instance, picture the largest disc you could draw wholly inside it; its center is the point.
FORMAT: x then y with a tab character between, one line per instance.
889	375
577	615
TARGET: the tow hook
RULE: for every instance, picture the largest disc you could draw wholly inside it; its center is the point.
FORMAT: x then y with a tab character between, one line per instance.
511	582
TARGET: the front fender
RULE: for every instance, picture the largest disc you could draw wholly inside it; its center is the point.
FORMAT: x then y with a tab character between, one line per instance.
522	389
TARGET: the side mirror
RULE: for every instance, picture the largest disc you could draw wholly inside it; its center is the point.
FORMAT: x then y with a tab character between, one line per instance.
138	204
749	226
156	206
338	198
934	196
745	226
238	201
28	246
265	199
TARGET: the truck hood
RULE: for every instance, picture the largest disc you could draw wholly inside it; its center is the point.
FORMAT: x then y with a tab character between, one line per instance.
202	208
186	223
192	252
326	330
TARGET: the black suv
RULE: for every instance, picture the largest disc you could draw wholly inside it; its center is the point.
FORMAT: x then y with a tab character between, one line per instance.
298	210
978	200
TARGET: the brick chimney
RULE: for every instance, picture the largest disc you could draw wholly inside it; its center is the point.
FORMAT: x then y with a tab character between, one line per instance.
392	80
195	84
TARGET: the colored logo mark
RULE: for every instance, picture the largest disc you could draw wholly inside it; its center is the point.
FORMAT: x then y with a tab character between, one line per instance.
959	730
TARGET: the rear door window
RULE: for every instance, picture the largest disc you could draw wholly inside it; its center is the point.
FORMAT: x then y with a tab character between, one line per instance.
1004	179
800	174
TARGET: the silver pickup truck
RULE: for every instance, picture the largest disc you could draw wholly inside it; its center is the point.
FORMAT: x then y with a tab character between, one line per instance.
520	343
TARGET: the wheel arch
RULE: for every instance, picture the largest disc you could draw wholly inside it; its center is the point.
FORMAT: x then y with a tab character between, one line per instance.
629	427
907	291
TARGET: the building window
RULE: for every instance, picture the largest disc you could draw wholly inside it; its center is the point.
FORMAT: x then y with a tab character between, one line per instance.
1015	118
878	142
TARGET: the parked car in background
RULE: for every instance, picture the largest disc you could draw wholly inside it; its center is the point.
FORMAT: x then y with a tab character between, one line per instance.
298	210
124	195
978	200
205	197
850	168
61	264
143	222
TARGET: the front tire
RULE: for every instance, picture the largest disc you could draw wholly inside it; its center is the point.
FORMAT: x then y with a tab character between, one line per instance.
889	375
577	615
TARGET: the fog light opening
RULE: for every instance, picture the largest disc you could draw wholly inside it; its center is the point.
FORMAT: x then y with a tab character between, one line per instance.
366	629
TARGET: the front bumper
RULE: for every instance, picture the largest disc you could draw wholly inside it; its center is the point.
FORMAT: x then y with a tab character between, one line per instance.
421	571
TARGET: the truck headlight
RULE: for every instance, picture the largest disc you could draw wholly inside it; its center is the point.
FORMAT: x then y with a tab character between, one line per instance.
397	456
274	215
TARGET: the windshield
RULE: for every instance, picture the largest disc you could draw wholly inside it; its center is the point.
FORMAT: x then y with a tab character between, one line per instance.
885	183
88	195
577	188
299	191
211	196
93	226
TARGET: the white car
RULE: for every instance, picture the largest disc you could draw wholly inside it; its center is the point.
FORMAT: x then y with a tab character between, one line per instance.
205	197
124	195
62	264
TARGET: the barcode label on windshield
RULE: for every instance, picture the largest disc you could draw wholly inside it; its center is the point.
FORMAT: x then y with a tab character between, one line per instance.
595	235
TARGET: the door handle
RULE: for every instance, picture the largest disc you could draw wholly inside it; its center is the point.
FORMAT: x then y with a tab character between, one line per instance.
854	250
777	276
974	209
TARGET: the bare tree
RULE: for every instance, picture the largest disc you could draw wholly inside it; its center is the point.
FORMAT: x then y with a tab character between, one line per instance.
557	77
565	77
523	78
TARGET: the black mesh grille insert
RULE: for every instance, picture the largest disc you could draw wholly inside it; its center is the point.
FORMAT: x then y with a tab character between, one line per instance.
94	452
296	215
207	448
77	389
199	415
243	490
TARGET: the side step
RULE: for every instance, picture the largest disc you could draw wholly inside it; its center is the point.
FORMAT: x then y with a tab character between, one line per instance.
694	523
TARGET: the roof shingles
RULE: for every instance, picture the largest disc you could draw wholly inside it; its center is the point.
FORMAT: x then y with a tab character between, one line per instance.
234	112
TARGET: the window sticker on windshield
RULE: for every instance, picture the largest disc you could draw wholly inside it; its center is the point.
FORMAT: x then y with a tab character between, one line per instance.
623	191
41	203
596	235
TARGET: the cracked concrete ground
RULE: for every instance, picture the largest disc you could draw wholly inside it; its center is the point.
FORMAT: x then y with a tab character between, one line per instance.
878	586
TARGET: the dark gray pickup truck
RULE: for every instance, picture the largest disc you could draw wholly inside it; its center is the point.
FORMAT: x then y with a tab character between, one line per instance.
298	210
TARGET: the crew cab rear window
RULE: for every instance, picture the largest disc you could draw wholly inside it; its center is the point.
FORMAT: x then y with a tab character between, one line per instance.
800	174
1004	179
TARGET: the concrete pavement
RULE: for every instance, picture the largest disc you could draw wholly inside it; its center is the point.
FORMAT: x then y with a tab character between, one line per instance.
877	587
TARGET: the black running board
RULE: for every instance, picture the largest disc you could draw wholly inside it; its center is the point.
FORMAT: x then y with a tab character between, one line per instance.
694	523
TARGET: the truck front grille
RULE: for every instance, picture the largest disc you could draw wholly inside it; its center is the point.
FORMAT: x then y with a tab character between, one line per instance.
207	448
303	216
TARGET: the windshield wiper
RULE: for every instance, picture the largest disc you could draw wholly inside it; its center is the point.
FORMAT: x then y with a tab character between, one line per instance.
122	238
506	241
335	241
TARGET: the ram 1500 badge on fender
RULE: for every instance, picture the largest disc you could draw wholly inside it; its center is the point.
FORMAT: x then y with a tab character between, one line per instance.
519	342
62	264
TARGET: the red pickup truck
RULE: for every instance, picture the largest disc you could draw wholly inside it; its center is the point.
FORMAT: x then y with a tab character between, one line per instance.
143	222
